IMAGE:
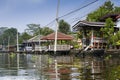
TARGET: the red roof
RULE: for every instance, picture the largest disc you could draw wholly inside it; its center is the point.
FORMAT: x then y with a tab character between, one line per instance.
60	36
118	16
110	15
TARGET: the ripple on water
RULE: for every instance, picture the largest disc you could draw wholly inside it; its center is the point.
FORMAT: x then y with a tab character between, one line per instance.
19	78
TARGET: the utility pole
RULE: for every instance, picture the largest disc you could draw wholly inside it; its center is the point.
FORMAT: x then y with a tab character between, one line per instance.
55	46
17	51
39	40
8	43
57	24
17	42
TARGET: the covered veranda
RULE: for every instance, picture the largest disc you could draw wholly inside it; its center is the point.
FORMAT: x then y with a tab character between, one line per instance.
63	41
92	36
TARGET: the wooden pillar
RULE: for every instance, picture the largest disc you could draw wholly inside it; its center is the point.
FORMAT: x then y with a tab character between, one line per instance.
98	45
84	38
92	38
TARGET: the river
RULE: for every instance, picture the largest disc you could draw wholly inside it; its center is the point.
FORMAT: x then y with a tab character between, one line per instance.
15	66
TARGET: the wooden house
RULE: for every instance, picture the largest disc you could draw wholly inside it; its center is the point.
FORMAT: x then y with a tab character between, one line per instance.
92	36
33	44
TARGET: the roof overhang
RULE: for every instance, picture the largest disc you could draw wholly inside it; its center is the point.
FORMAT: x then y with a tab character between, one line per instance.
60	36
110	15
88	25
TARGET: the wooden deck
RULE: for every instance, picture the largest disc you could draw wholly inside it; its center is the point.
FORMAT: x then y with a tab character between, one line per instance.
51	48
59	47
38	49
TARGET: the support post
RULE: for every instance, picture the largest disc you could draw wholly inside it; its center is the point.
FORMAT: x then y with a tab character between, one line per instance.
17	42
8	43
83	41
93	71
17	51
55	45
39	41
92	38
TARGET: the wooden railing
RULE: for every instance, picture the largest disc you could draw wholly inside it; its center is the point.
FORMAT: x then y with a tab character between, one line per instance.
51	48
100	40
59	47
40	48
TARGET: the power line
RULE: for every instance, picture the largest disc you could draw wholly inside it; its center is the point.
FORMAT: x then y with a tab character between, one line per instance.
50	23
73	11
78	9
78	18
76	13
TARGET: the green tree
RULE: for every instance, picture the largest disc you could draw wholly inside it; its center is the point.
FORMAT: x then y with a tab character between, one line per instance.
46	30
35	29
117	38
32	28
108	30
112	73
117	9
107	8
2	29
64	27
43	31
23	37
9	35
108	5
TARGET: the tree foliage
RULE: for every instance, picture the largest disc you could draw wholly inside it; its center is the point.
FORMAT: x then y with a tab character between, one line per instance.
117	9
116	39
23	37
107	8
32	28
9	35
35	29
112	73
108	30
64	27
2	29
46	30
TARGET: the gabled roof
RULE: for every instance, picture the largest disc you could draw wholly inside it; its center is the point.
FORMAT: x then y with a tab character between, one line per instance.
118	17
35	39
89	25
110	15
60	36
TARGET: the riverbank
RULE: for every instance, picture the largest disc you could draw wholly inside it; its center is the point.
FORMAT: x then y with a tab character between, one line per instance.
72	51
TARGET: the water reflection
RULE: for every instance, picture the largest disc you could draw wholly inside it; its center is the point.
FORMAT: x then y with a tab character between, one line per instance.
78	68
42	67
9	67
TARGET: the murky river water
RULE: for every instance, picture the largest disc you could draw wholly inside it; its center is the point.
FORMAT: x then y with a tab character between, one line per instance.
42	67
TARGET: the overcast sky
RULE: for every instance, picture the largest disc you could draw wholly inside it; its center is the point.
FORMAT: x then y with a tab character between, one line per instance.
19	13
